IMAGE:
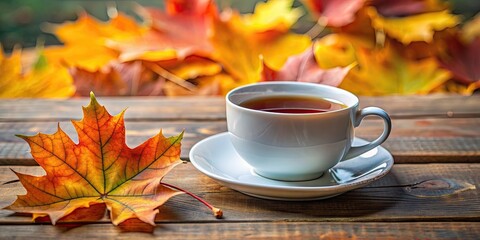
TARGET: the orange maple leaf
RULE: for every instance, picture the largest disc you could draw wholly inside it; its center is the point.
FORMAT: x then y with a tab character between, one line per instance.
88	35
180	32
99	169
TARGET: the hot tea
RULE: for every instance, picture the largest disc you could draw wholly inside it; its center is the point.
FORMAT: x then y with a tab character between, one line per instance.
296	104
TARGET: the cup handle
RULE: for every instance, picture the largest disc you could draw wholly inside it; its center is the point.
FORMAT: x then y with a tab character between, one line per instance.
387	127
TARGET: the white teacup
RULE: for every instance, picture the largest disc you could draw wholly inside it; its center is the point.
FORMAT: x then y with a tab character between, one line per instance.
292	146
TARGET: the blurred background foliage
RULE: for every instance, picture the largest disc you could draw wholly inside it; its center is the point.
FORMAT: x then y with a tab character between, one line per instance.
22	21
202	47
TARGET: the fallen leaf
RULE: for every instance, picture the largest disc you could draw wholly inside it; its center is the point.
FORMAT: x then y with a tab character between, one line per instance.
334	50
336	13
384	72
119	79
42	80
234	51
91	59
86	41
462	59
275	15
99	169
267	31
95	212
231	34
193	67
276	51
87	30
420	27
106	81
360	32
304	68
175	34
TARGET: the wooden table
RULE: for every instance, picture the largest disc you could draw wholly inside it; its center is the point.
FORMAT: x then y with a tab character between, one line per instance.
433	138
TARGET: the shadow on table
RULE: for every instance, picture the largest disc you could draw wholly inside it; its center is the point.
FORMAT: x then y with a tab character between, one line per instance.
360	203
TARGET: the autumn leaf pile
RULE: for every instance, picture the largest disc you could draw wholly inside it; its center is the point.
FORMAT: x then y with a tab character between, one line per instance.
369	47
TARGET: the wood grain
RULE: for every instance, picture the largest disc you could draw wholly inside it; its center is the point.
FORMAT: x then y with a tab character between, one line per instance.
255	230
427	131
213	108
139	108
430	106
378	202
411	140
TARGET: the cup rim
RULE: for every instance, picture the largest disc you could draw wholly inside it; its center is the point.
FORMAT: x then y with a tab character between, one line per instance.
231	92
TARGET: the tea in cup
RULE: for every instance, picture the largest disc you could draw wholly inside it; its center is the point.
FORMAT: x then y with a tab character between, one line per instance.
295	131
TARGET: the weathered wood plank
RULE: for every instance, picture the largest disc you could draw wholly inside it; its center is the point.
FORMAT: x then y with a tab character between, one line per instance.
439	106
256	230
378	202
411	141
139	108
15	151
212	108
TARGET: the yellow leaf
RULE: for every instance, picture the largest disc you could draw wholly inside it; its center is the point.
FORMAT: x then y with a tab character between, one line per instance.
272	15
267	29
471	30
87	41
10	65
45	80
334	50
384	72
194	67
234	51
276	51
87	30
420	27
91	59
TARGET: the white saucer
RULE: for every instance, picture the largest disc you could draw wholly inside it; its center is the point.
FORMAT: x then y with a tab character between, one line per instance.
216	158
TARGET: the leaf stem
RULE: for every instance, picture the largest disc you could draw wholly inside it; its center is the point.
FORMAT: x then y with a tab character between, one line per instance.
171	77
217	212
318	28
